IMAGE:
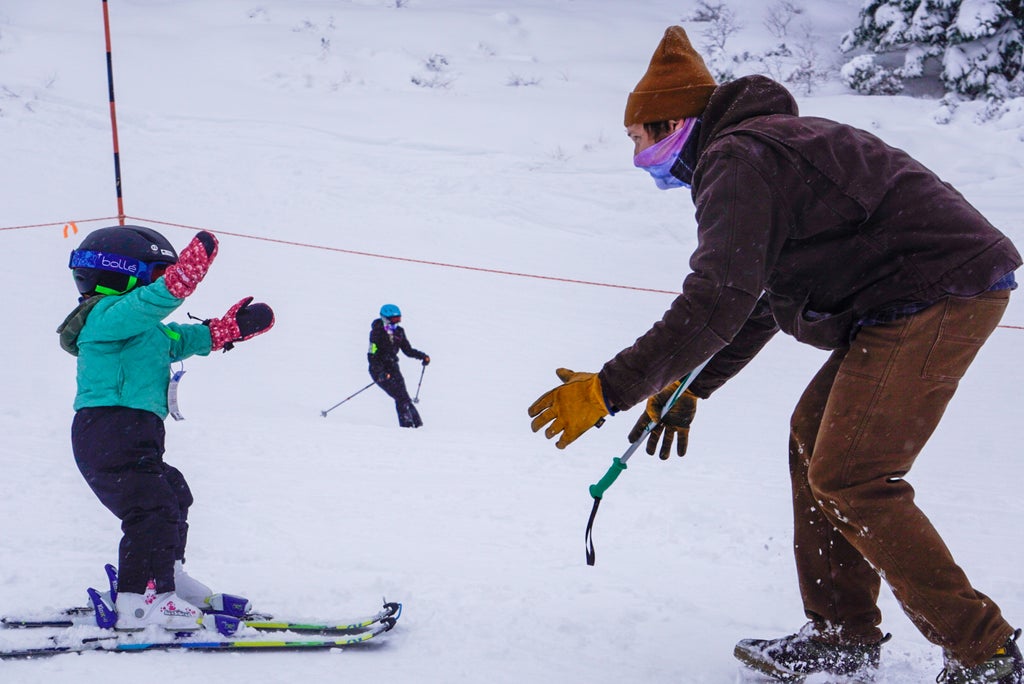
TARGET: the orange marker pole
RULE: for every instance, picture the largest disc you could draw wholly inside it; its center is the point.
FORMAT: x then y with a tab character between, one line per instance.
113	116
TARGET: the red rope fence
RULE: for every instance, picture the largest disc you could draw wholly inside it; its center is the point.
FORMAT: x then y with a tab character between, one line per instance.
353	252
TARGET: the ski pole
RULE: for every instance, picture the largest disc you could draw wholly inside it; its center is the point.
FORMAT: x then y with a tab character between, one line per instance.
598	489
416	399
324	413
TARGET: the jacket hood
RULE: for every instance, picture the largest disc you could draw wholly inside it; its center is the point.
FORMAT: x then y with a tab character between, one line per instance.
73	324
742	99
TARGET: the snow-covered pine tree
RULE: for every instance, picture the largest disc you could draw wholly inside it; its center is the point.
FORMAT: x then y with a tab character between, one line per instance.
978	43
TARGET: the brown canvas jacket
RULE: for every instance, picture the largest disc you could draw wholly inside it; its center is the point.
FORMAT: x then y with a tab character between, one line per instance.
808	225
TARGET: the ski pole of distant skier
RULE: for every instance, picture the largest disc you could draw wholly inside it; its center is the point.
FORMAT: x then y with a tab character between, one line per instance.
598	489
416	399
326	411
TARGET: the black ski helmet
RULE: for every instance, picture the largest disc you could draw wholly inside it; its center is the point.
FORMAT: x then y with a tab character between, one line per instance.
116	259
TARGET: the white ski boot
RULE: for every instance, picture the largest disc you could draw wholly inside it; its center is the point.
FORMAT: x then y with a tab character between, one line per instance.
189	588
198	594
167	610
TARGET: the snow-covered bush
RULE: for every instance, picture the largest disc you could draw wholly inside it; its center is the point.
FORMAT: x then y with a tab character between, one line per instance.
977	43
518	80
867	77
792	60
706	11
721	26
436	66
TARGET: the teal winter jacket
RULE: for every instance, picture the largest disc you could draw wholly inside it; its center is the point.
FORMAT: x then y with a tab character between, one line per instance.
125	351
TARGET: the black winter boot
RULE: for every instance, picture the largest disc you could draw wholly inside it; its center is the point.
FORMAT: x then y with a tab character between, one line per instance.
1006	666
791	658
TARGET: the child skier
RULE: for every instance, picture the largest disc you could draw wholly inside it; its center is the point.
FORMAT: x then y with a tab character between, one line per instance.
386	338
130	279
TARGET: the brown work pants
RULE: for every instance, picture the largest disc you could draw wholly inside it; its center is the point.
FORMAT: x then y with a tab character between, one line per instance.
855	433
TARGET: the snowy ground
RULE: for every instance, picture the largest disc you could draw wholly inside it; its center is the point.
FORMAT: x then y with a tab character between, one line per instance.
296	130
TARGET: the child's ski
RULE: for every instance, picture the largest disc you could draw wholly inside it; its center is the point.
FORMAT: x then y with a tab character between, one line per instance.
225	612
131	642
86	616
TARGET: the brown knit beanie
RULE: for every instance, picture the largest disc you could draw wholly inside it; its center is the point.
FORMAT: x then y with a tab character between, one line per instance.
677	83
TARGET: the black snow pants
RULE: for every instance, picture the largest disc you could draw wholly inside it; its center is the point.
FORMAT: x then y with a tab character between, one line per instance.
394	385
119	452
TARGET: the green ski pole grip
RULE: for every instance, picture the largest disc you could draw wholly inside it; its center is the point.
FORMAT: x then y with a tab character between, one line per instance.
616	468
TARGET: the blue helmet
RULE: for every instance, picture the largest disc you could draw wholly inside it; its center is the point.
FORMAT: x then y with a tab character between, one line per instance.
390	311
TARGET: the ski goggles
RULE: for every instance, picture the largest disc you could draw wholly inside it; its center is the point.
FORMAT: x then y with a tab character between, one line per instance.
133	268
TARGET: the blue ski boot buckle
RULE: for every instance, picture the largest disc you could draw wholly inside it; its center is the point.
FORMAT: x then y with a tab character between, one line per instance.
106	615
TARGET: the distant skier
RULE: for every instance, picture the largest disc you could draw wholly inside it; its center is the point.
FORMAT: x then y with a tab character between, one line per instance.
386	339
130	279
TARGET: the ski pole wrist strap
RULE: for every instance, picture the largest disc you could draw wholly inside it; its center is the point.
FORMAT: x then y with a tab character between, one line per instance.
598	489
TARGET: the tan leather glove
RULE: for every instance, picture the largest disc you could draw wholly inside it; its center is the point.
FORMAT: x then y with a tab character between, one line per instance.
675	424
572	408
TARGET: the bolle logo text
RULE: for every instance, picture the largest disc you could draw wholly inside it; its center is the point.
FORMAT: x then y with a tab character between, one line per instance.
119	264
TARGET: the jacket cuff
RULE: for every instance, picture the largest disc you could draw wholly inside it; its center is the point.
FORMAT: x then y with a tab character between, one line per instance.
609	398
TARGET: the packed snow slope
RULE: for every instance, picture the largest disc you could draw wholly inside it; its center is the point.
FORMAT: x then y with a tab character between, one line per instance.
360	152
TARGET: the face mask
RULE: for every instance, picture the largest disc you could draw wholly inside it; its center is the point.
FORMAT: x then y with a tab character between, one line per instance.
661	158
